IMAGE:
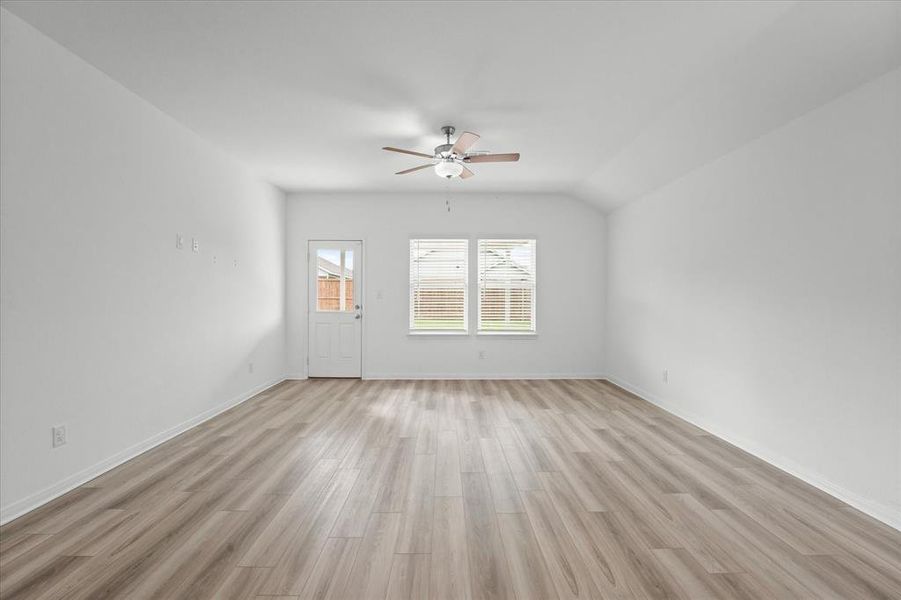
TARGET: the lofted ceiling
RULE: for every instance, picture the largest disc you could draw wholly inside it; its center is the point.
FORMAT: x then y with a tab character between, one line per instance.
605	101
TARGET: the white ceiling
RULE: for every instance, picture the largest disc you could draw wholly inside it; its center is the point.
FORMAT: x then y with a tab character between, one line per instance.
605	101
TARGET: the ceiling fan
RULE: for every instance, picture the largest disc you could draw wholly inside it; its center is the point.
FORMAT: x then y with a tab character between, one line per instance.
450	160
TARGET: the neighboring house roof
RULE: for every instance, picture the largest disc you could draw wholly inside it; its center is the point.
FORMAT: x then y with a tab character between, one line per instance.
329	269
494	261
497	259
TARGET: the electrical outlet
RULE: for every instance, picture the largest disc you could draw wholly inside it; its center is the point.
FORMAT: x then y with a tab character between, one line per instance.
250	367
214	259
195	244
482	355
665	375
59	436
179	241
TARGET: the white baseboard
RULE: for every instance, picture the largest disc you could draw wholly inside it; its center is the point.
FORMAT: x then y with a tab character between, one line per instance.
876	510
29	503
492	376
296	377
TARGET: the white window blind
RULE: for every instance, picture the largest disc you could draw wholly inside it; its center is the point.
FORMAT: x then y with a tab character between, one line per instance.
439	270
507	286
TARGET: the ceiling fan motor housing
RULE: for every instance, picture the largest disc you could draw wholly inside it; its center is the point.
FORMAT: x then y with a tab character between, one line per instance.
443	149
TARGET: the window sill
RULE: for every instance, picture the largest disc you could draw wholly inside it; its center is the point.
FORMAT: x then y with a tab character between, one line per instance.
526	334
436	333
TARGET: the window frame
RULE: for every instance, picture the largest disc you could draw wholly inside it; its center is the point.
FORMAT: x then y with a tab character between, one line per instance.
533	331
465	331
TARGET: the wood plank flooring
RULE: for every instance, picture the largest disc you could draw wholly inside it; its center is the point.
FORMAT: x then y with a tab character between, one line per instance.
351	489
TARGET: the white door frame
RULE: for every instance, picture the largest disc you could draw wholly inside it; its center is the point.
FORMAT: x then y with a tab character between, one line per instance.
358	283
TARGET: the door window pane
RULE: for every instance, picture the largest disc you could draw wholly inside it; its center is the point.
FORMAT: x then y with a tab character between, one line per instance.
334	280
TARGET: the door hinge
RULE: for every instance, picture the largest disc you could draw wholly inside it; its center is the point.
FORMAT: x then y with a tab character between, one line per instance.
308	361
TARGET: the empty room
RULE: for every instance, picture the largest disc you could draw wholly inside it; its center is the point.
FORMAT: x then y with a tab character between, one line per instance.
450	300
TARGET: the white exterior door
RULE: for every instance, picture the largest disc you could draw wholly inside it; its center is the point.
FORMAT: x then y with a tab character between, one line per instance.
335	309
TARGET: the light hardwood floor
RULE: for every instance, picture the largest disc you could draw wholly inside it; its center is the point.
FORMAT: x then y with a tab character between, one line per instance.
447	489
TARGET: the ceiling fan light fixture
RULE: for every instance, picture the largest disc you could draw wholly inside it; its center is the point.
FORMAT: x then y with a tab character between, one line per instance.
448	169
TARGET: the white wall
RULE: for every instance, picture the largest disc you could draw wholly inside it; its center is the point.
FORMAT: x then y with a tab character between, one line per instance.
106	326
570	257
768	283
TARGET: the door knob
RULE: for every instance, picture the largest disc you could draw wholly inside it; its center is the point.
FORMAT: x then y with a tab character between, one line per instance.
358	316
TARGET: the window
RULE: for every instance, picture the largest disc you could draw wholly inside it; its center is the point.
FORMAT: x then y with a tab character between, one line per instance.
334	280
438	291
506	286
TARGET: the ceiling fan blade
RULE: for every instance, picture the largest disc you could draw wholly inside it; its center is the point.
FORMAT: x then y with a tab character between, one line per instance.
414	169
464	142
466	174
402	151
480	158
